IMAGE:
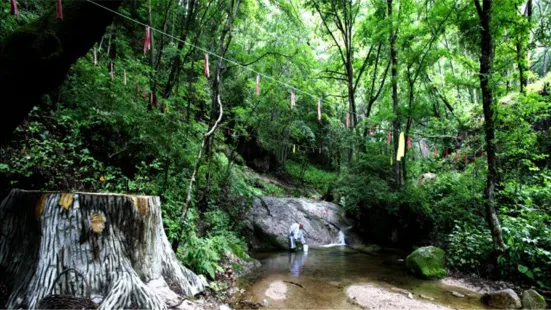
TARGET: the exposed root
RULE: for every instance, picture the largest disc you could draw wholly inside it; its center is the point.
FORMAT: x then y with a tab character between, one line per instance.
126	290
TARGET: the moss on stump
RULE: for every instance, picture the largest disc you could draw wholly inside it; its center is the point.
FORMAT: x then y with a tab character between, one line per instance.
427	263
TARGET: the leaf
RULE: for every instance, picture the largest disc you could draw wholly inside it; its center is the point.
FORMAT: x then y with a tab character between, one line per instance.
522	269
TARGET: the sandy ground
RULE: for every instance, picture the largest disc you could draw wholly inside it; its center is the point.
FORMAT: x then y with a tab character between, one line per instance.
277	290
372	297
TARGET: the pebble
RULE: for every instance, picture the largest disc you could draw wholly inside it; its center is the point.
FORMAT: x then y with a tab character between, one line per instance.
426	297
456	294
402	291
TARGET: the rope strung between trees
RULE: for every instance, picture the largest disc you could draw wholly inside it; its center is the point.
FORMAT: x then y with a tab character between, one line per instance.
147	47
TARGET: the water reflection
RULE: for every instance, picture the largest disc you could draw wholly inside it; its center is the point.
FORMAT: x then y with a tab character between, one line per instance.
296	261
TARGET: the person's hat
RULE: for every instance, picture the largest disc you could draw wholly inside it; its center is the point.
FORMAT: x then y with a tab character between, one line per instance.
301	225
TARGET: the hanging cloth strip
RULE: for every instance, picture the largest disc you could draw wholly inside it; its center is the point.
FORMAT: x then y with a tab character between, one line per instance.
14	10
58	9
207	72
319	109
401	147
258	84
147	42
347	119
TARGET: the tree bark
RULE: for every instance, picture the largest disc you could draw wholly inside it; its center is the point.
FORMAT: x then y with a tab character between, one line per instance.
486	67
394	83
116	242
36	58
545	61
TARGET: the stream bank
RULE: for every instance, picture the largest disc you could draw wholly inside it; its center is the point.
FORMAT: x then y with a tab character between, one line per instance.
340	277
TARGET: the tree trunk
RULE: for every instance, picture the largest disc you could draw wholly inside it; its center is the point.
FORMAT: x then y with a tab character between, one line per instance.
116	242
545	61
486	64
394	82
37	56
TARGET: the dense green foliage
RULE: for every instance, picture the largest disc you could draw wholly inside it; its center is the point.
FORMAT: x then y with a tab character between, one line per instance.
96	133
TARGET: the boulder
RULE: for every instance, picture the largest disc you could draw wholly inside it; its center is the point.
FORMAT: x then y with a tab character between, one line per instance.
426	177
270	217
532	300
503	299
427	263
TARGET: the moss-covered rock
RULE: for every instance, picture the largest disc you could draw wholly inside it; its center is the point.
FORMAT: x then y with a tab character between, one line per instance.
532	300
427	263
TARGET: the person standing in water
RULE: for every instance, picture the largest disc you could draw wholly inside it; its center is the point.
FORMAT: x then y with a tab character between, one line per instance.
296	233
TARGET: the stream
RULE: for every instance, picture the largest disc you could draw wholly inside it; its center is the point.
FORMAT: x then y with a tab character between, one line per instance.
319	279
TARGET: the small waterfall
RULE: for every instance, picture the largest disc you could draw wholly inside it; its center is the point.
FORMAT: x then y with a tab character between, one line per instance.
340	238
338	241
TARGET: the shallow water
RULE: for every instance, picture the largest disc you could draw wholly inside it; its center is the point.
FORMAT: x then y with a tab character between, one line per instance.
325	273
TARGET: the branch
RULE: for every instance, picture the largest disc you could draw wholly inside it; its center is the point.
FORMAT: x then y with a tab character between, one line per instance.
333	78
430	45
478	8
364	65
372	99
209	133
198	162
329	31
334	72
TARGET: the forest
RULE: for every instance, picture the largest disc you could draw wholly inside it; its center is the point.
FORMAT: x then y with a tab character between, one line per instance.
427	121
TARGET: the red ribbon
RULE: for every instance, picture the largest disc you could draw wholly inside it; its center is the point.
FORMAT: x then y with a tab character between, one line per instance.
14	10
58	9
388	138
147	42
207	73
409	143
258	84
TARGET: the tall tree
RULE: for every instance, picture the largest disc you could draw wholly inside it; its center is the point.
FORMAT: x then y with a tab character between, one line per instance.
35	58
484	11
394	82
342	15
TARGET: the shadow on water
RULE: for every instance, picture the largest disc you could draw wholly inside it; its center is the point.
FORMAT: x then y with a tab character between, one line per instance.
320	278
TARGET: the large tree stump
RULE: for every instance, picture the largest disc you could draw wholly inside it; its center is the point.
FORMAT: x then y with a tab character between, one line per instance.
116	242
